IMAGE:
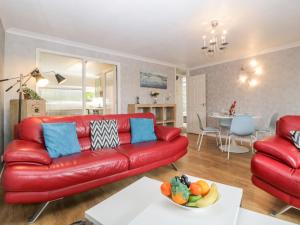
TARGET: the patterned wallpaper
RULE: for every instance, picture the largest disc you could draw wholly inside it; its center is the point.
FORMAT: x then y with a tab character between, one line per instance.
278	89
20	57
2	37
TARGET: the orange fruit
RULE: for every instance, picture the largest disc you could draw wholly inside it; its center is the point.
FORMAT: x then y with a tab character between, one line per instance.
195	189
165	188
204	186
179	199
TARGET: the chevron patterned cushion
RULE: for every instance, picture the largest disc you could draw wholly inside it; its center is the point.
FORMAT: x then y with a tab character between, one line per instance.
104	134
296	138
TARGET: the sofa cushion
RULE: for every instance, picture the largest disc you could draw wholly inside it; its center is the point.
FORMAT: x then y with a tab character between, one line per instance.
281	149
276	174
287	123
142	130
85	143
167	133
61	139
296	138
65	171
149	152
20	151
104	134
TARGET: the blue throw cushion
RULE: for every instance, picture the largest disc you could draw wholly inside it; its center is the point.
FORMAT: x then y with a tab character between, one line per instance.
142	130
60	139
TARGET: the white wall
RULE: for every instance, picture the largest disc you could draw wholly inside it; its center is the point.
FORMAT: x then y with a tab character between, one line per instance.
278	89
20	57
2	40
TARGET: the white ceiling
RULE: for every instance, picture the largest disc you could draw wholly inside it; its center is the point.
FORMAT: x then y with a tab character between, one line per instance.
166	30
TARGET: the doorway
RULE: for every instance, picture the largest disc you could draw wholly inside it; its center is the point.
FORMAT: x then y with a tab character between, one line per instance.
90	86
100	88
196	103
181	101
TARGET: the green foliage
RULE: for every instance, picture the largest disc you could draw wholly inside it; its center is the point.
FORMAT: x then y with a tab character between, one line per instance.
89	96
178	187
31	94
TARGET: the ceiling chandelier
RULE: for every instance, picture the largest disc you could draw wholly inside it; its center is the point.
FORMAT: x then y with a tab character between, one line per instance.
215	41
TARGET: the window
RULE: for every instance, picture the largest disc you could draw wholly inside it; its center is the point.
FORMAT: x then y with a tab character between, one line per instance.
88	88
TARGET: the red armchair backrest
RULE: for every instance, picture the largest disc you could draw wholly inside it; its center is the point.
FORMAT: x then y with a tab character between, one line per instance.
30	129
287	123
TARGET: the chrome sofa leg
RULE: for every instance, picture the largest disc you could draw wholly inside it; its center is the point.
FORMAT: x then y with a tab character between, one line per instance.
37	214
2	170
174	166
282	210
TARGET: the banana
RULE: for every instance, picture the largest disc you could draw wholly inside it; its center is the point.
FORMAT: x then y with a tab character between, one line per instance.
208	199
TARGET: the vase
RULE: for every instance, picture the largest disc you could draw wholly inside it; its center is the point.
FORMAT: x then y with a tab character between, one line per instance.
155	99
26	96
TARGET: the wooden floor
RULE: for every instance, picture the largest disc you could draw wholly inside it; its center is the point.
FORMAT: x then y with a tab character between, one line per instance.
209	163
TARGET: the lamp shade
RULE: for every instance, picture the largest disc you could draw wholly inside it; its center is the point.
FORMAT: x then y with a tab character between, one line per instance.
40	80
60	79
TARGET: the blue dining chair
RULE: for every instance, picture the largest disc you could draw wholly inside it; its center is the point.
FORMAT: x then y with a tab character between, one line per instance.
206	130
224	125
241	126
271	127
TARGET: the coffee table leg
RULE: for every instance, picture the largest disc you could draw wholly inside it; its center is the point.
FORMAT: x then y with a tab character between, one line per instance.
282	210
174	166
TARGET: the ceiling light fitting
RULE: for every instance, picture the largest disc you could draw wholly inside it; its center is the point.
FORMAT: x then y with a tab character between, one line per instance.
249	73
216	41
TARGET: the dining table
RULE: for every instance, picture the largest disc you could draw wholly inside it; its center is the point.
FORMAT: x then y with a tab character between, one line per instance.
226	118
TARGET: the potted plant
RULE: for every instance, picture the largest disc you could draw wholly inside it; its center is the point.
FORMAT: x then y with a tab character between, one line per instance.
31	94
154	95
232	108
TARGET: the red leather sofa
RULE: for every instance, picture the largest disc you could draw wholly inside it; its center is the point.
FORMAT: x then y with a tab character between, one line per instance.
30	175
276	165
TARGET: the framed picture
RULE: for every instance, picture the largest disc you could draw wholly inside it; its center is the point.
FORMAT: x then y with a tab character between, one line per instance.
150	80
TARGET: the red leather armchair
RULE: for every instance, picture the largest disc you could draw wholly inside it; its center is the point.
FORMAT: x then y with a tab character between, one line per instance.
30	175
276	165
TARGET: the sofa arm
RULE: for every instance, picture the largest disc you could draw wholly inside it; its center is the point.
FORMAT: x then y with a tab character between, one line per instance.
281	149
167	133
26	152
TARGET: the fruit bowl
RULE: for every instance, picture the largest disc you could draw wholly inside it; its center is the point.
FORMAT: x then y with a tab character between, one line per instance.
193	208
190	195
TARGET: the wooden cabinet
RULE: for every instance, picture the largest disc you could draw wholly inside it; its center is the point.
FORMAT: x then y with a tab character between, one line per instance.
29	108
165	113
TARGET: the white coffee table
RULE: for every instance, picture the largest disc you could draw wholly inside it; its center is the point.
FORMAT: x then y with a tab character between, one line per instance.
142	204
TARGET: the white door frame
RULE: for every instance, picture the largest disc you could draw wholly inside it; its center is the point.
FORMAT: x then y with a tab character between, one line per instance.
175	88
86	58
189	111
179	113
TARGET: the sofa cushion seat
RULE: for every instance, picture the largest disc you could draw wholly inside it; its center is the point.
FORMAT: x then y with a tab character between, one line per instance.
276	174
142	154
65	171
282	149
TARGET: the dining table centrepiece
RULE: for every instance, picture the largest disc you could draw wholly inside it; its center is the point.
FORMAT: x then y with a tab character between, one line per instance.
232	108
190	195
